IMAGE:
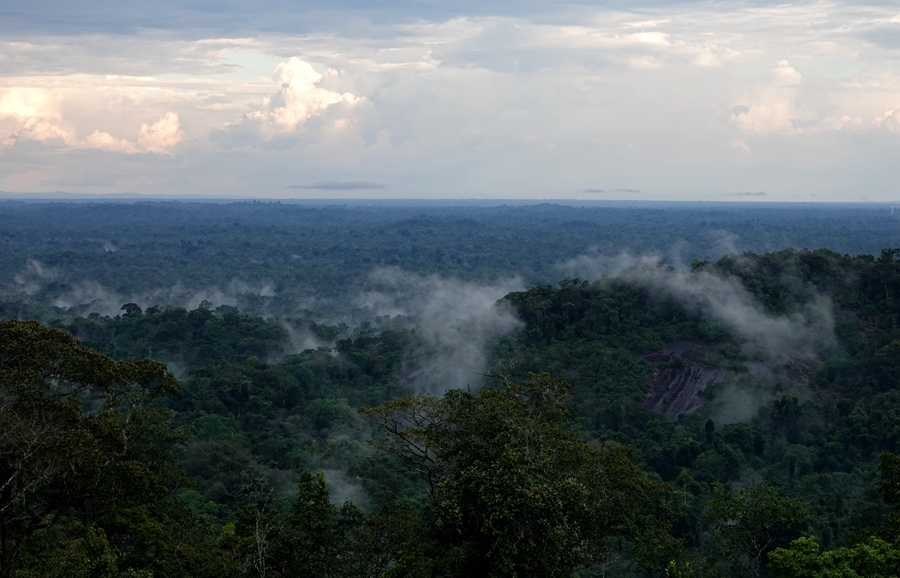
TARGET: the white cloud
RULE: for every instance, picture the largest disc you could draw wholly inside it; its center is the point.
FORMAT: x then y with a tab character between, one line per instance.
35	114
161	135
32	114
773	107
786	75
40	129
723	298
25	103
658	38
891	121
646	62
105	141
301	97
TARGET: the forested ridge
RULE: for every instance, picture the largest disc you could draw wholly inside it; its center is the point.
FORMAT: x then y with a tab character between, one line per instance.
735	417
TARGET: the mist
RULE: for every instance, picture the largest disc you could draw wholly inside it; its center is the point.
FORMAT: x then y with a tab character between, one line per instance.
300	339
455	320
33	278
805	331
87	296
772	339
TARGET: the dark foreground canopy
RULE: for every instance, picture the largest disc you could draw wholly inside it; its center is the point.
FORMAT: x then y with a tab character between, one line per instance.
515	491
78	436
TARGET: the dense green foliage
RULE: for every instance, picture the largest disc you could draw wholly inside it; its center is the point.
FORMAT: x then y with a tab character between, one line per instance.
261	463
515	491
86	459
818	438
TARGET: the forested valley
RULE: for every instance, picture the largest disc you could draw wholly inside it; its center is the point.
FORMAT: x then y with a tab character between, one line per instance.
258	389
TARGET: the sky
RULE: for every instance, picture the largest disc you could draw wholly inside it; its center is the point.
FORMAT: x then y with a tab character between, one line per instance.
640	100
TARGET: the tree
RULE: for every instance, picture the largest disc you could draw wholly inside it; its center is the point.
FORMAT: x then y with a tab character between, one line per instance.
889	487
255	521
513	489
308	543
873	558
392	540
876	555
748	523
79	435
315	539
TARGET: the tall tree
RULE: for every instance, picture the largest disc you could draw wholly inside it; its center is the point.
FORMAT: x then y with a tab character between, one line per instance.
513	489
749	523
79	436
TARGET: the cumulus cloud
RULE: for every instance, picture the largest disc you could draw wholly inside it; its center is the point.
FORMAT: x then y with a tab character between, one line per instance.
25	103
43	130
773	108
454	319
35	114
890	120
106	141
786	75
301	97
160	136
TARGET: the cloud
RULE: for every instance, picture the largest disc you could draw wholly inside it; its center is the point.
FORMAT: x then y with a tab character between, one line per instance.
644	62
24	103
724	242
300	339
105	141
32	114
773	108
301	97
454	319
43	130
340	186
890	120
472	102
161	135
786	75
35	114
23	181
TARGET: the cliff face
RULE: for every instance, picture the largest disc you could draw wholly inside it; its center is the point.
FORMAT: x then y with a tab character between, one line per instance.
680	376
682	372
